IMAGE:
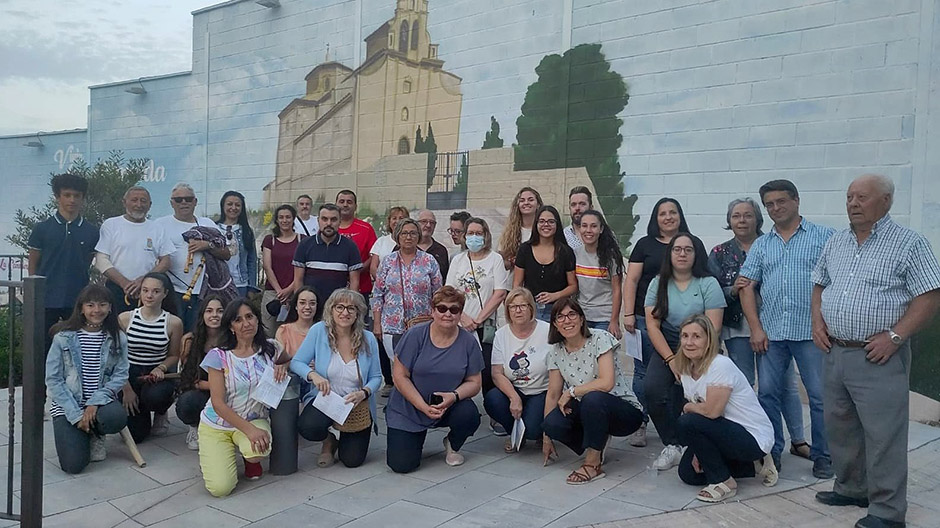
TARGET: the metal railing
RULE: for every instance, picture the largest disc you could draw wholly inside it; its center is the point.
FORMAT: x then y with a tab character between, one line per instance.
447	170
25	307
13	266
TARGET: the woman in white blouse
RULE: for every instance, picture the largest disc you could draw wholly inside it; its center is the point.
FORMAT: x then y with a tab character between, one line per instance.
725	430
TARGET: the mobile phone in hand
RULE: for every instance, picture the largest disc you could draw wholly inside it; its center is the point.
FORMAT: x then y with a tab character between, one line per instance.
435	399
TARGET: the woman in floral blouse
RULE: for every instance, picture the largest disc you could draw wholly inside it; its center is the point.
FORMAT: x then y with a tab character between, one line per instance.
404	283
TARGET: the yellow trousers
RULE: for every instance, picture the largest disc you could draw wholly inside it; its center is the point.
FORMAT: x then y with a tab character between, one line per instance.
217	455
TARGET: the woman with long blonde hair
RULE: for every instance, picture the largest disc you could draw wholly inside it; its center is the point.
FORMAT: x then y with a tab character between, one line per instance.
519	226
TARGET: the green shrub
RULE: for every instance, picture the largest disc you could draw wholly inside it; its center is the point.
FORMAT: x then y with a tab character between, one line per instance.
5	328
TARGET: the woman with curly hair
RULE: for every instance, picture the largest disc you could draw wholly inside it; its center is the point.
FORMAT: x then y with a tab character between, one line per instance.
520	224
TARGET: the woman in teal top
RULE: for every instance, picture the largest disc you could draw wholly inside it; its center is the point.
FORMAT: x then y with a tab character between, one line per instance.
346	362
683	288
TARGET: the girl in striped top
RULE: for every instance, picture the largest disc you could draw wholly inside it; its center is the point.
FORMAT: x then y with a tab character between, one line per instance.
85	368
153	344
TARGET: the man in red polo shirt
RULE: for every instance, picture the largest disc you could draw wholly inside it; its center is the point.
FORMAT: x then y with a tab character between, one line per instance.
360	232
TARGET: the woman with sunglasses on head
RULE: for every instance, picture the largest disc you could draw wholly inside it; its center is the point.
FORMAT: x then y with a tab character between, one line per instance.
683	288
519	226
519	372
345	356
545	263
588	399
194	381
85	370
232	419
154	334
233	222
437	373
645	262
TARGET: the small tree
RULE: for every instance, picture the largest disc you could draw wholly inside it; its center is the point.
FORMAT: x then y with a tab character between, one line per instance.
492	137
463	178
430	147
108	180
420	147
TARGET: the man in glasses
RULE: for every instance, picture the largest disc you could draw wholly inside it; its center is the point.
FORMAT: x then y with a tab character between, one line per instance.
327	261
428	223
186	256
782	262
131	246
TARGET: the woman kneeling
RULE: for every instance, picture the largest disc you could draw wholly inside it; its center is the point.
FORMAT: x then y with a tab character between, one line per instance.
589	399
231	417
725	429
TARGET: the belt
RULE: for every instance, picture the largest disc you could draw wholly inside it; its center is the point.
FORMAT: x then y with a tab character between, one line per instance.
848	344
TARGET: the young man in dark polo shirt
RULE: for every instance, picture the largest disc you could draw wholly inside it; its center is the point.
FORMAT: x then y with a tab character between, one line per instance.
327	261
61	248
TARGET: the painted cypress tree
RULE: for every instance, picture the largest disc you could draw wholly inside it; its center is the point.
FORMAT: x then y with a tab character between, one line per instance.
492	139
419	142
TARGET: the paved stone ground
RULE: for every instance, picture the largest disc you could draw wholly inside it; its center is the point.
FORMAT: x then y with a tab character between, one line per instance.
491	489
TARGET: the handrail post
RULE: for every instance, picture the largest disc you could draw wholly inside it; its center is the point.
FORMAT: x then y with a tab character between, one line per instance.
34	387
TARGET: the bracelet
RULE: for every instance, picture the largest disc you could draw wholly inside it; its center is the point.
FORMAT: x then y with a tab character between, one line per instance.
669	359
456	395
628	315
364	391
162	367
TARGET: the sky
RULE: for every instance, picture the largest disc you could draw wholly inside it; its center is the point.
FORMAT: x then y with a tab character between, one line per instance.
51	51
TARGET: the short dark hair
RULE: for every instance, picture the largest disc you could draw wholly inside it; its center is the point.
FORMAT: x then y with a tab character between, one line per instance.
283	207
580	189
554	336
349	192
307	196
228	340
69	181
460	216
328	207
779	185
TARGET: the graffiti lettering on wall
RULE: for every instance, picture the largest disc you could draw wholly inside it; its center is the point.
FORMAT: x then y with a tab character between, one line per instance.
154	173
66	157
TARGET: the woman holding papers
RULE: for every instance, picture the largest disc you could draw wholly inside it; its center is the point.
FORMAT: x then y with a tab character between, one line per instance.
520	374
589	399
346	366
232	417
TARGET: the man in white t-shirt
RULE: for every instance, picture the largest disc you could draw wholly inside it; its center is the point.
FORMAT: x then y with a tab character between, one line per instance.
580	200
129	247
184	278
305	223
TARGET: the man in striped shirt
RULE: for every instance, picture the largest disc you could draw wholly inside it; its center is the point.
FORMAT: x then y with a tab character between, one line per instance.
876	284
327	261
782	261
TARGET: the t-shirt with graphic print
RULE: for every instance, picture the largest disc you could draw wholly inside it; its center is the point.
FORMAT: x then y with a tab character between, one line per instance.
242	376
580	367
524	361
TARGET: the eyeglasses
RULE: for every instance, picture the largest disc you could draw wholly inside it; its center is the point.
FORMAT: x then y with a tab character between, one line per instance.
427	222
181	199
444	309
547	222
412	234
340	308
517	307
455	232
679	250
570	316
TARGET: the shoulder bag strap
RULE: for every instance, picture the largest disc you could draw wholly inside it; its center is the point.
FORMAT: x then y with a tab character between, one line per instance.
401	276
476	285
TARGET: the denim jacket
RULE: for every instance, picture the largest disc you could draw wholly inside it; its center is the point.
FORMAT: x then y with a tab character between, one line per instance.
316	347
64	373
247	260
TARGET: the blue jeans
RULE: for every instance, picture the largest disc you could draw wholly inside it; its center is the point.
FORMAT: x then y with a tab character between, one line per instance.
771	371
595	417
741	353
533	411
543	312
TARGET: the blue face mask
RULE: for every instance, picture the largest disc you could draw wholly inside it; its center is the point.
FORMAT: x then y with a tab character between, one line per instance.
475	242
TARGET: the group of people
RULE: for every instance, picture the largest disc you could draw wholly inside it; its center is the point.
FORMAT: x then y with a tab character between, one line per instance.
533	321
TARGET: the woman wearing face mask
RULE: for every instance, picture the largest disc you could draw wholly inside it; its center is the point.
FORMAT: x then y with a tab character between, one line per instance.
243	265
85	369
153	348
545	264
480	274
520	224
277	255
600	272
194	382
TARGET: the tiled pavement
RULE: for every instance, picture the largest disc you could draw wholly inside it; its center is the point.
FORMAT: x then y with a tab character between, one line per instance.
491	489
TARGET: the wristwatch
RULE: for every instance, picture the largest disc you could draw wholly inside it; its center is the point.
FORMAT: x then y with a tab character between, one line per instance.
571	391
895	338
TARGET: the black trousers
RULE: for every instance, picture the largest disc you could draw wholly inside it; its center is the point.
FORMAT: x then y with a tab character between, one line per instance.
594	418
151	398
724	449
189	406
403	454
487	362
73	446
353	447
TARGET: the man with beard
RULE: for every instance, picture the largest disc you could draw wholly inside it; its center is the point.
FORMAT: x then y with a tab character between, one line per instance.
327	261
580	200
129	247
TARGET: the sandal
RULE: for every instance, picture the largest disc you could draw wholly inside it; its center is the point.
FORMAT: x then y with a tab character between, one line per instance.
507	447
582	475
800	449
767	471
328	455
716	492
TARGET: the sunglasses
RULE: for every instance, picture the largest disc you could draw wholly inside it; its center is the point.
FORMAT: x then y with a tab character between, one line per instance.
181	199
444	309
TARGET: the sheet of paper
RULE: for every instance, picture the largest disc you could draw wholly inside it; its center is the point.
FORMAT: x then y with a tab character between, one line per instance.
334	406
282	315
518	434
270	392
633	344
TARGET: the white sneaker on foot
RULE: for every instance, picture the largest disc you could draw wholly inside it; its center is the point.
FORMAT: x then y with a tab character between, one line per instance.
98	450
192	438
638	438
451	457
669	458
161	425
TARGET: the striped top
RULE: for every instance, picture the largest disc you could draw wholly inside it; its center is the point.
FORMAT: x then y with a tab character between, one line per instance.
147	341
869	287
91	343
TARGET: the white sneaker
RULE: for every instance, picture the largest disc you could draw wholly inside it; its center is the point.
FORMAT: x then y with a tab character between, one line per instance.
192	438
98	450
669	458
161	425
638	438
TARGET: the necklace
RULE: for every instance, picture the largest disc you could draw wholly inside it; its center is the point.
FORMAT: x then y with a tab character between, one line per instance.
93	326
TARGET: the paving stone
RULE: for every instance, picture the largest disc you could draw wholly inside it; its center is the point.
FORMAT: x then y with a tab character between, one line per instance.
302	515
265	501
467	491
370	495
601	510
551	491
501	512
402	514
93	488
94	516
204	516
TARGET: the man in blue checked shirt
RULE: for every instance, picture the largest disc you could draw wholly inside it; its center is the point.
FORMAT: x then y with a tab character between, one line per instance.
876	284
782	262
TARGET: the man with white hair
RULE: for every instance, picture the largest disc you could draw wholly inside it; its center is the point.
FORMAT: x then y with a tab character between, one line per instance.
129	247
876	284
